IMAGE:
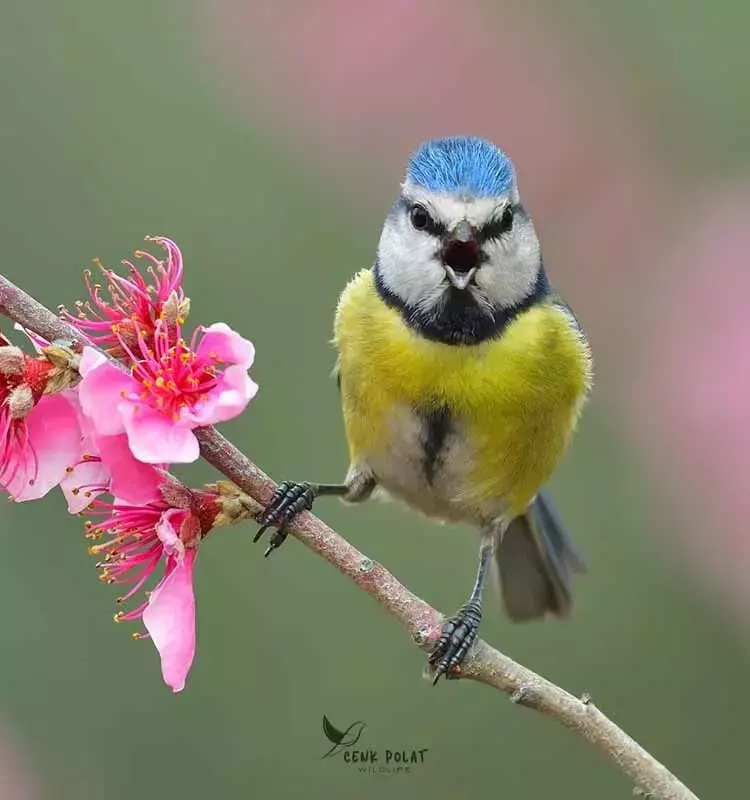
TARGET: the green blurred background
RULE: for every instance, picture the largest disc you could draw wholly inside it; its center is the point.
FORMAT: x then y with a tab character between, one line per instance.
125	119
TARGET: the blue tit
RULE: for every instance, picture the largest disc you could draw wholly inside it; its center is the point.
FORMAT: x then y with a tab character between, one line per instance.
462	378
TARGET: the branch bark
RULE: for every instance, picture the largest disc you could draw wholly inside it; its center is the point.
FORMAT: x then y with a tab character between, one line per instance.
422	622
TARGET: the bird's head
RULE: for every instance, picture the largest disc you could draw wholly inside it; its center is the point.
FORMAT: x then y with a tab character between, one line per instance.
458	250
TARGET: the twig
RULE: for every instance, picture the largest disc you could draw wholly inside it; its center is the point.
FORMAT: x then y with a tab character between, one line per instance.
423	622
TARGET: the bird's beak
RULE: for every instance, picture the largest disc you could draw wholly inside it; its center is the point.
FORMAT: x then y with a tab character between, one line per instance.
461	255
460	279
462	232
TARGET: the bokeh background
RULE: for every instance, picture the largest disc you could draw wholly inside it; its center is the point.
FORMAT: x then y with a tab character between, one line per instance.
268	139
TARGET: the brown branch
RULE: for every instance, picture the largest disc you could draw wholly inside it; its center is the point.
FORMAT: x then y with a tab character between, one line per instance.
422	622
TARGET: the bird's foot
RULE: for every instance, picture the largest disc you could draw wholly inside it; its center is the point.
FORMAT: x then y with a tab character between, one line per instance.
458	635
288	500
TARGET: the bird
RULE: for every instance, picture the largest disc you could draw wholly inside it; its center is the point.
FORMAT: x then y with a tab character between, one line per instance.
462	377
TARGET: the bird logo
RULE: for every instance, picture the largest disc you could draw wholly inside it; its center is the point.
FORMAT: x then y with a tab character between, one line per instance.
341	739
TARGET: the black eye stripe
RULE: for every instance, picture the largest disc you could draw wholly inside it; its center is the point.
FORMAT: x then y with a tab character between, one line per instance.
498	227
422	220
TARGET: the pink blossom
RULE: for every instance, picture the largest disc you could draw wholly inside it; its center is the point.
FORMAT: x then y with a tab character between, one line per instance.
170	620
171	389
36	450
106	465
142	539
39	435
135	304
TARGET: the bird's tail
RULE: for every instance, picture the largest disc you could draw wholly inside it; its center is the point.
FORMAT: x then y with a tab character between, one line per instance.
535	560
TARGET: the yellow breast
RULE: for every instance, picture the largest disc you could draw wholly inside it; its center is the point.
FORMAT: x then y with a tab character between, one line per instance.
517	397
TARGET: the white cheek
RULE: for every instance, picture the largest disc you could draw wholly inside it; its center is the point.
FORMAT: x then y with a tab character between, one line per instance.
512	268
409	265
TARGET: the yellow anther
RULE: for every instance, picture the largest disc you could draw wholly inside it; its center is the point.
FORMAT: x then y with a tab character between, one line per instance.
136	636
104	576
118	616
160	380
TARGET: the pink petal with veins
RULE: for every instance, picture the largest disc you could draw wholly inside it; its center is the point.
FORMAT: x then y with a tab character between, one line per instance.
156	439
170	619
234	390
53	444
220	341
101	391
131	479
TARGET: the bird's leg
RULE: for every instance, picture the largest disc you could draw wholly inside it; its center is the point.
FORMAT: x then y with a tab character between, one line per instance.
291	498
460	631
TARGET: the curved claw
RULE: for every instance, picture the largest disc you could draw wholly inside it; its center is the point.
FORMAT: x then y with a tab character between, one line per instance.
278	538
261	531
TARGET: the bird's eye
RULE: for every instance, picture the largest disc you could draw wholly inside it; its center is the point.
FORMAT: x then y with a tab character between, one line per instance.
506	221
498	227
420	218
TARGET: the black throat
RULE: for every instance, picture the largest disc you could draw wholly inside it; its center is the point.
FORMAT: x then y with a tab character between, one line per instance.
459	319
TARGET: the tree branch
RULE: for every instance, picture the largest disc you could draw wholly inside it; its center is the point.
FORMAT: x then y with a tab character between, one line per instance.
421	621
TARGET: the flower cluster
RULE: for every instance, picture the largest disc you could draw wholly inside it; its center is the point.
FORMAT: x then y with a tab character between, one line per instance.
104	421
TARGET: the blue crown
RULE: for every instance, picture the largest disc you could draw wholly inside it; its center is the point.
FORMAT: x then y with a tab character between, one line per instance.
461	164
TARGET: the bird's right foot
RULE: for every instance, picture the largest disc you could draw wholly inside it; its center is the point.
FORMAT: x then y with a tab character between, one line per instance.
288	500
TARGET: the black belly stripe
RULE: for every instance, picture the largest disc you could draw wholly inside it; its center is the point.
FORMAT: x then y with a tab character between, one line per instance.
436	425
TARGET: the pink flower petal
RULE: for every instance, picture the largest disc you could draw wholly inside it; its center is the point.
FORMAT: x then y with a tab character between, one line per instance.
227	399
90	360
221	342
170	619
39	342
168	529
76	486
132	480
54	444
156	439
101	392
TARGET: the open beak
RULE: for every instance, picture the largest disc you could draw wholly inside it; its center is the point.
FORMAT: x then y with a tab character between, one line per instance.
460	255
460	279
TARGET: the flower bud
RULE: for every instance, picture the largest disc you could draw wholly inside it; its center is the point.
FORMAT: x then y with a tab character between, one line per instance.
234	505
12	361
65	363
20	401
